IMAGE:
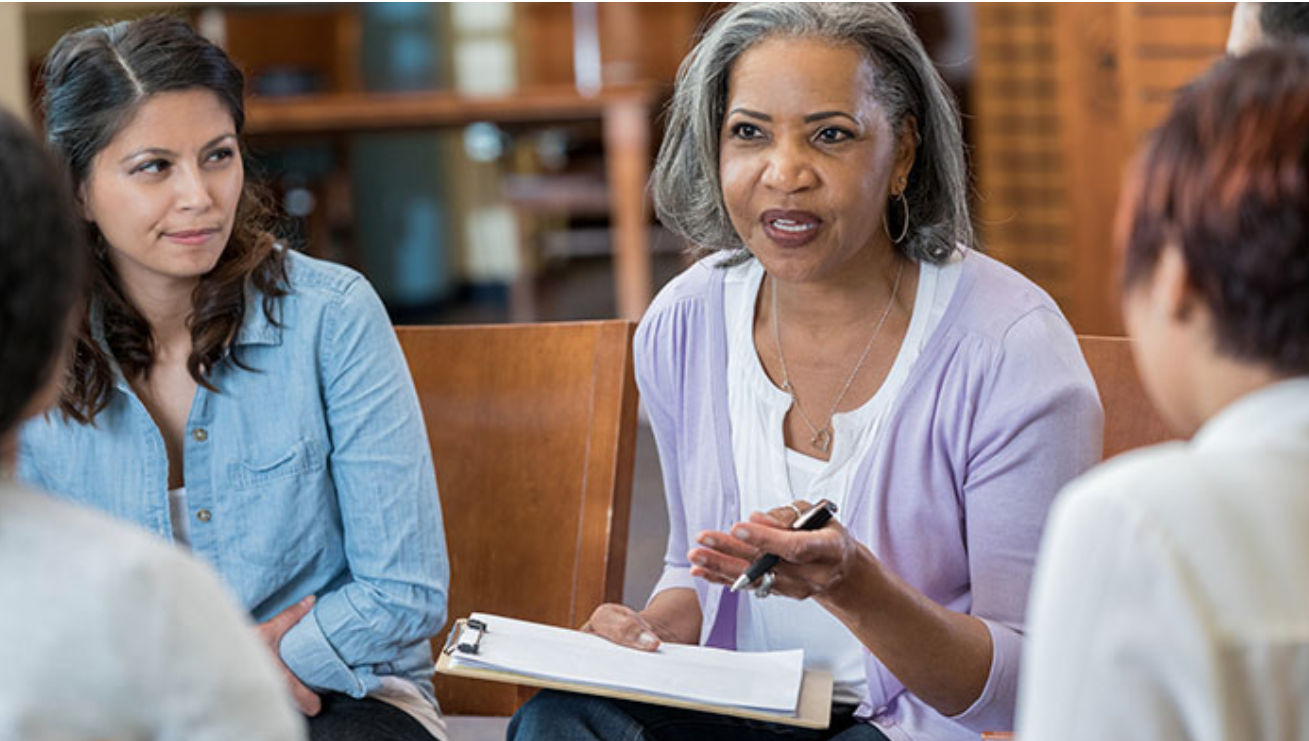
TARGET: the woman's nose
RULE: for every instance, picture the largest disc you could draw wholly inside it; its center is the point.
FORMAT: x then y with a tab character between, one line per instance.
789	169
192	190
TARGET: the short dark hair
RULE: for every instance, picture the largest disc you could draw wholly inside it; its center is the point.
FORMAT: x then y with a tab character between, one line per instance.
96	79
1284	21
1226	180
41	266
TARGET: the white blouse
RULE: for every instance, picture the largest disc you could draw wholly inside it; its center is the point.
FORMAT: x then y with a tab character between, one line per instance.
771	475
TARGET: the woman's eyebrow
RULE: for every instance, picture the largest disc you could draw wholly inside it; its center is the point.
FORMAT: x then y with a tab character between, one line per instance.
153	151
819	116
163	152
829	114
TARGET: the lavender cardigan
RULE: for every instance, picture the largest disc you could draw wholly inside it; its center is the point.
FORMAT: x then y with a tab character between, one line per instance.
998	413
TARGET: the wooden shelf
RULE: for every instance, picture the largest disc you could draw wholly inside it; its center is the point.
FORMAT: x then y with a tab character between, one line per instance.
358	112
625	114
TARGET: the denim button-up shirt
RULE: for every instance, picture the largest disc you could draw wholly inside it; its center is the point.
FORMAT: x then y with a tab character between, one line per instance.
309	474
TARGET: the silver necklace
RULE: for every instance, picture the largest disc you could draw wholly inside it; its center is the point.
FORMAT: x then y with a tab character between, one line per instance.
822	438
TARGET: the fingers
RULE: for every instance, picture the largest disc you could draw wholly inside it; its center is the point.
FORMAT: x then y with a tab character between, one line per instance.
622	625
811	561
784	516
727	544
306	699
271	632
721	558
286	619
708	565
793	546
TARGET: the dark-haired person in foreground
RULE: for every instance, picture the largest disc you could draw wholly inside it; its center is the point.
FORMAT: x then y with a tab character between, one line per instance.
1170	600
107	633
240	399
1259	24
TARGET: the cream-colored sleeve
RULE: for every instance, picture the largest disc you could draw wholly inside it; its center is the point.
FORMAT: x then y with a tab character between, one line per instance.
208	678
1118	643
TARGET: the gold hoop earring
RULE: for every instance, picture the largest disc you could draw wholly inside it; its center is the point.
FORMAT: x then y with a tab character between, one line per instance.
904	226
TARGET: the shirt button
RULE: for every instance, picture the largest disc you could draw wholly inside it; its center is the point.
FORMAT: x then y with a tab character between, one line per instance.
200	434
203	515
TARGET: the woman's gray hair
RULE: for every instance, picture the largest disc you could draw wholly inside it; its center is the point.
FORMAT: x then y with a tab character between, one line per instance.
687	193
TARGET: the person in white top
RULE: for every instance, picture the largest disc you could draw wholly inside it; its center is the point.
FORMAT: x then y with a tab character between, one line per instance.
107	632
1258	24
1170	600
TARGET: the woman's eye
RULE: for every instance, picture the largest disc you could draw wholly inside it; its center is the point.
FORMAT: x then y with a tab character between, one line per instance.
834	134
746	131
153	167
219	155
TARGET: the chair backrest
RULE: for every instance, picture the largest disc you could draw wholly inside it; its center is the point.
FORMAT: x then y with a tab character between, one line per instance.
533	433
1130	420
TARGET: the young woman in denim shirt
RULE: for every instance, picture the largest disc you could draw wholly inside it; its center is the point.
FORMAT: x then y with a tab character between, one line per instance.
240	399
98	615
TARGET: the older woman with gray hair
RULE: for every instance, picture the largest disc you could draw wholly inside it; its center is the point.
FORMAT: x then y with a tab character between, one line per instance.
843	340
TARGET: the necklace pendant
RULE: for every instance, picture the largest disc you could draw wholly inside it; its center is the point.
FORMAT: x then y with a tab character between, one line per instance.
822	440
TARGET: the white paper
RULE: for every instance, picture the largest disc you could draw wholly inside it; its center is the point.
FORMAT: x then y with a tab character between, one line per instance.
755	680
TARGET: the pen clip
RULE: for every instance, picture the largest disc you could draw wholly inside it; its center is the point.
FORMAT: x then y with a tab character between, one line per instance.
462	644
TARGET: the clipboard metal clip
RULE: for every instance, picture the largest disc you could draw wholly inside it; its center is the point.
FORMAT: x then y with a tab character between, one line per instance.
464	643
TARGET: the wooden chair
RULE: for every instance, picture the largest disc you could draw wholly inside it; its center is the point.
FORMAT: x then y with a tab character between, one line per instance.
1130	420
533	432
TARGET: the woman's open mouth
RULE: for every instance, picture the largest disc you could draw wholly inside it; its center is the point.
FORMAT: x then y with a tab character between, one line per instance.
791	228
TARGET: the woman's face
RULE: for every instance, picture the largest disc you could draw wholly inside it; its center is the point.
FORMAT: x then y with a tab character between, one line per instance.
164	192
807	158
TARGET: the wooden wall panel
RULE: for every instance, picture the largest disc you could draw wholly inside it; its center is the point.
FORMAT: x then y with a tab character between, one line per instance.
638	41
1165	46
1096	146
1023	210
1064	93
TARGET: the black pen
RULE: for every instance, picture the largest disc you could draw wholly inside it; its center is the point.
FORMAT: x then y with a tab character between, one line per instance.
815	518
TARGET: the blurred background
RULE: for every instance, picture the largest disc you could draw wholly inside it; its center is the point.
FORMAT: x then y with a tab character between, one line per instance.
487	162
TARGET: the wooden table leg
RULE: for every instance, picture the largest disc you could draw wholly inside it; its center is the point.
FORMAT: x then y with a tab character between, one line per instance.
627	152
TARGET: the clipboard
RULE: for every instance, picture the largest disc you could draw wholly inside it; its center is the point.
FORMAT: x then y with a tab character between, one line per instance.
814	709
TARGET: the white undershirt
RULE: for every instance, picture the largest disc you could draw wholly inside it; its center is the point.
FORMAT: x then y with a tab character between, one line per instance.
771	475
177	515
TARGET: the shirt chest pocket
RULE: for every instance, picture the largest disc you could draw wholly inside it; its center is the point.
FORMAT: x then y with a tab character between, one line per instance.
264	466
285	505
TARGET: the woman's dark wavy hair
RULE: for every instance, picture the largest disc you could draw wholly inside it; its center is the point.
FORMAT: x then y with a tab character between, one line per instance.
1225	179
95	80
41	267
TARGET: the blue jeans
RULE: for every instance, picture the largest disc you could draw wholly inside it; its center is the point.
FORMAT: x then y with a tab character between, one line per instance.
563	716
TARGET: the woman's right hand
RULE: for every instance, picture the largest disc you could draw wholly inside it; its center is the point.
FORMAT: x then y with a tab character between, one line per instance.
673	616
271	633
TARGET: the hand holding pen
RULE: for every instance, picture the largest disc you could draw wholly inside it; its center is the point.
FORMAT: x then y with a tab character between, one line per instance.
813	519
800	546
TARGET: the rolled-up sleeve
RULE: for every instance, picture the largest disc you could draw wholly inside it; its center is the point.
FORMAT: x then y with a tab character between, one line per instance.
381	466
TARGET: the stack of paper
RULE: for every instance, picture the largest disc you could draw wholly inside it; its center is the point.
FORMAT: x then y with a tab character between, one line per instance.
768	681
